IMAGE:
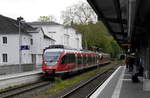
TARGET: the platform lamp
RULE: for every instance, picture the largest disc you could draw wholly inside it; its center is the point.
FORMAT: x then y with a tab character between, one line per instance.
19	19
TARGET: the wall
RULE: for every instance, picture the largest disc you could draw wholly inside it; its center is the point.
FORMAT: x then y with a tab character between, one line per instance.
39	43
75	38
58	36
12	49
26	54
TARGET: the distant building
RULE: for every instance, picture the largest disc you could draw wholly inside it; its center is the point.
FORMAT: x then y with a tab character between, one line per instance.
34	40
63	35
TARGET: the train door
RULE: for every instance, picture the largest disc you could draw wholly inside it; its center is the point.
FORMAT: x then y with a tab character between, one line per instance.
63	63
80	60
76	61
84	59
71	60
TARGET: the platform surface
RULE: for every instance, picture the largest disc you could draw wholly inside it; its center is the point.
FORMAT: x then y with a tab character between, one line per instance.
119	85
10	76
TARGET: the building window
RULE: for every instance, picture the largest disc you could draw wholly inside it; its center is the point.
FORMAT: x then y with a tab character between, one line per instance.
66	39
4	55
4	40
77	43
31	41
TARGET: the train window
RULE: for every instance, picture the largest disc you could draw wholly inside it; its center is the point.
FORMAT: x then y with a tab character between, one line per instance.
64	60
71	58
99	57
94	58
68	58
79	59
84	60
51	58
89	59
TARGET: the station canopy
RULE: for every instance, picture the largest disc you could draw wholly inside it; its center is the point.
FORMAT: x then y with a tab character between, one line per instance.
128	21
113	13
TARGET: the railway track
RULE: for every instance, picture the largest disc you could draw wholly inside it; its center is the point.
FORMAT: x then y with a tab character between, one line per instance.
82	91
22	89
86	89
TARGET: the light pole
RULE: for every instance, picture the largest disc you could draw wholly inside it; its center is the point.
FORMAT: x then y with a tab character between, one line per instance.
19	19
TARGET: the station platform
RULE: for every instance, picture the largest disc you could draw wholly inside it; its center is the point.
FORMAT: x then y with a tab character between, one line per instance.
11	80
120	85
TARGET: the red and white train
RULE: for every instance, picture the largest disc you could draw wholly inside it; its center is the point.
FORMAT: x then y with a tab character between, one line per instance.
59	60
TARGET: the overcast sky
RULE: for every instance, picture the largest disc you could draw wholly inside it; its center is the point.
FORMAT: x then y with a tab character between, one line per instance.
30	10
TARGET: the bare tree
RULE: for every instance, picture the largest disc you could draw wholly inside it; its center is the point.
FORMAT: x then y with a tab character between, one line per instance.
47	18
80	13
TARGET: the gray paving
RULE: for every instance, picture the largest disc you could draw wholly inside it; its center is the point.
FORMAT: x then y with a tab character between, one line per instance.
132	90
109	89
128	89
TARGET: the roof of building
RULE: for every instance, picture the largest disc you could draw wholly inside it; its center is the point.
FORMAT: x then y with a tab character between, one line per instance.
9	25
51	23
43	23
46	36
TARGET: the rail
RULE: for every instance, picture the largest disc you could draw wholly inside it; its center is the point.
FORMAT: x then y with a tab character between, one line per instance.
21	89
105	76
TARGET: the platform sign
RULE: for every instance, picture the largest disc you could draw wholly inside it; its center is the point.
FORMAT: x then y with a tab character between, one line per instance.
24	47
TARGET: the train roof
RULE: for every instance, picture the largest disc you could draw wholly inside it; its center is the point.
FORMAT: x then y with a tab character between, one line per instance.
59	47
62	48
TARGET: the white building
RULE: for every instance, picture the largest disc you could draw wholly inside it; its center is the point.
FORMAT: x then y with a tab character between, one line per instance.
33	41
63	35
39	42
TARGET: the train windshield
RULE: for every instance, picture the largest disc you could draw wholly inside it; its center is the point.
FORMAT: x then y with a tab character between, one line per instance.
51	58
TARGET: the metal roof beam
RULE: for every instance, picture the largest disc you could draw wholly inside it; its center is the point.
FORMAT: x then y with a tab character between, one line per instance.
115	20
119	15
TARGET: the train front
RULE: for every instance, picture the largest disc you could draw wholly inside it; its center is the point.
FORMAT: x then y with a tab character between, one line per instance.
50	62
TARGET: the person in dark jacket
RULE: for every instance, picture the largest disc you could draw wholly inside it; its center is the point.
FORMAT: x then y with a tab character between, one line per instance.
131	61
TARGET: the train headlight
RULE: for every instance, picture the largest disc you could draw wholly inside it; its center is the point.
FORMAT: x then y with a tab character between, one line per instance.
50	70
45	62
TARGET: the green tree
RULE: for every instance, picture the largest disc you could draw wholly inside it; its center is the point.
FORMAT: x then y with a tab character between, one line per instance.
47	18
96	35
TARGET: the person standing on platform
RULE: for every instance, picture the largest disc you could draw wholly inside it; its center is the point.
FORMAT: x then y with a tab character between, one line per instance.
131	62
127	62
